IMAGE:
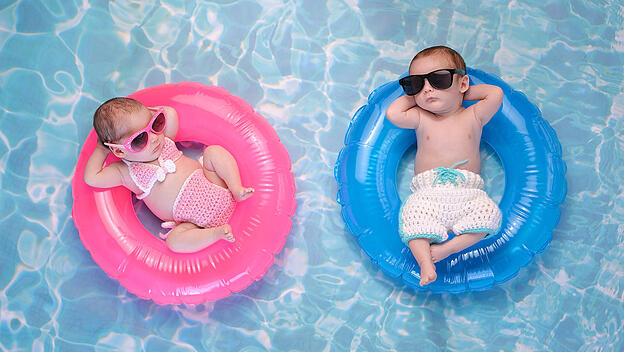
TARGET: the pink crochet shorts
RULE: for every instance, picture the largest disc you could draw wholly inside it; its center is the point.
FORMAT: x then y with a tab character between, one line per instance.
203	203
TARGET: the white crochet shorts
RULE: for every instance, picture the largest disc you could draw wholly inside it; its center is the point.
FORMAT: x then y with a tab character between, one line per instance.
446	199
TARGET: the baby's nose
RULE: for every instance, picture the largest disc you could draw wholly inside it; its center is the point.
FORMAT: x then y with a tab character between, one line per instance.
153	137
427	86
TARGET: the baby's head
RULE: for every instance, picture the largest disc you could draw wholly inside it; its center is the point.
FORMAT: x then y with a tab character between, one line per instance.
442	82
118	119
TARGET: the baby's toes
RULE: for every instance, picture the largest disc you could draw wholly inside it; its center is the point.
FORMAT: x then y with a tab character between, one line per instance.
227	233
229	237
245	193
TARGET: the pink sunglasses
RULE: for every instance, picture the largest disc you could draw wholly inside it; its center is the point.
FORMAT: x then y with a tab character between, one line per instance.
138	141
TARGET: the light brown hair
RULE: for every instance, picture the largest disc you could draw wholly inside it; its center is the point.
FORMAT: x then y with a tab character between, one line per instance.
454	57
107	117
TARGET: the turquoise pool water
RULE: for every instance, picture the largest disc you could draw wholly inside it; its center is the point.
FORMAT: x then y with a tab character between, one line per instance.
307	66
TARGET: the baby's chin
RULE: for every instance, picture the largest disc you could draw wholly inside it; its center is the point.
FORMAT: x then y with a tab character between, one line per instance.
435	107
438	106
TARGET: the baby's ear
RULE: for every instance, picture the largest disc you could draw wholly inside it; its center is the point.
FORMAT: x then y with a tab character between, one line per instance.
118	152
464	84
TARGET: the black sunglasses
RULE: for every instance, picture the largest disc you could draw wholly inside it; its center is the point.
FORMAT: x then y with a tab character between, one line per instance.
439	79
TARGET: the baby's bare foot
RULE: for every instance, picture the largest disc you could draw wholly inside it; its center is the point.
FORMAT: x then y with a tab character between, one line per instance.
243	193
441	251
226	233
427	274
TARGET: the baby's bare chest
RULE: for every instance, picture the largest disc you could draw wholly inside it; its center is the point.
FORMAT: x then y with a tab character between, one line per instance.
461	131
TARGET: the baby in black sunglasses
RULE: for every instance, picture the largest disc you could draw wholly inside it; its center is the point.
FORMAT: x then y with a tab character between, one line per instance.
447	188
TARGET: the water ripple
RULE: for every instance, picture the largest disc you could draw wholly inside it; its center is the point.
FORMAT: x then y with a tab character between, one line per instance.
307	66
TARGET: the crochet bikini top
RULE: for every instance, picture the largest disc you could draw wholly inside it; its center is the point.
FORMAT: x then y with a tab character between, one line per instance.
145	175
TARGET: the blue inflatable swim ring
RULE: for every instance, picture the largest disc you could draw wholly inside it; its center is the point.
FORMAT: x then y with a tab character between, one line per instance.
535	186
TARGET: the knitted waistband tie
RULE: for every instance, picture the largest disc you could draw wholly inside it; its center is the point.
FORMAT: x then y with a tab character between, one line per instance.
448	174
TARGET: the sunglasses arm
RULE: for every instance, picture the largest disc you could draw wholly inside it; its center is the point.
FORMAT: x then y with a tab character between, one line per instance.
117	149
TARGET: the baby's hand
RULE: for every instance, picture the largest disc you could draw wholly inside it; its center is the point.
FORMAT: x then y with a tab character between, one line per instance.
101	147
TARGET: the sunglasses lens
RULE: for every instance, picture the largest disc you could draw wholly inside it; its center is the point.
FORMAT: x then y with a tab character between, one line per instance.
412	84
159	123
441	79
139	142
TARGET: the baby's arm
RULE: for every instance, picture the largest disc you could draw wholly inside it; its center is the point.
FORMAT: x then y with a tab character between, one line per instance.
404	113
490	98
95	175
171	129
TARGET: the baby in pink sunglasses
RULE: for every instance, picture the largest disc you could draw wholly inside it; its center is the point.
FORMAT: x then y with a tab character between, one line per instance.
195	200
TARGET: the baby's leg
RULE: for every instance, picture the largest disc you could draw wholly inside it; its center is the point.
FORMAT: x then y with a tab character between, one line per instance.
454	245
420	250
189	238
221	169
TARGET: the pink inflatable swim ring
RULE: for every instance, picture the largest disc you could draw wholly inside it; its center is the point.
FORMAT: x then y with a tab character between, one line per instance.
143	264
